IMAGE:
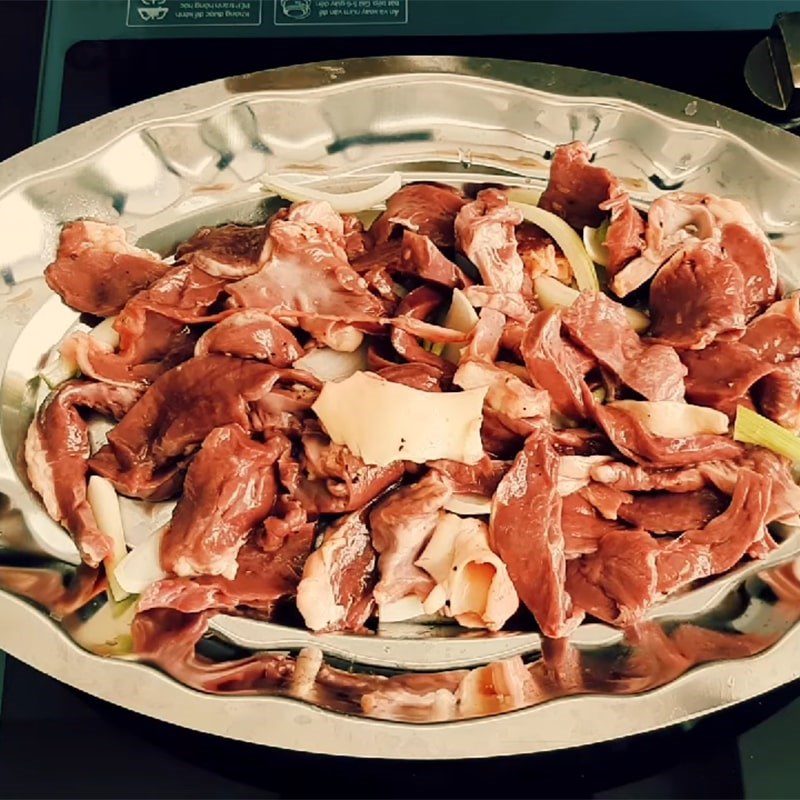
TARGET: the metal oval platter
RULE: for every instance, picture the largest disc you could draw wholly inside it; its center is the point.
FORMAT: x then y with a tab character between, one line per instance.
194	157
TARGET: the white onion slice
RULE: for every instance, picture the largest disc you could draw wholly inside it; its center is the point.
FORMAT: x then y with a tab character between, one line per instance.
461	316
62	368
569	242
333	365
142	566
105	506
594	242
469	505
522	194
343	202
551	292
672	419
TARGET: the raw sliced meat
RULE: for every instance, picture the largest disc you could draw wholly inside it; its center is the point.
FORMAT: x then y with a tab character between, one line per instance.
607	500
481	478
554	364
96	271
723	542
619	582
263	576
329	479
418	305
778	395
228	491
56	453
428	209
421	257
635	478
306	277
424	377
599	325
485	234
401	526
174	416
576	189
540	256
669	512
695	297
784	492
722	375
748	248
583	527
335	592
229	251
525	531
625	235
775	334
357	241
632	439
251	333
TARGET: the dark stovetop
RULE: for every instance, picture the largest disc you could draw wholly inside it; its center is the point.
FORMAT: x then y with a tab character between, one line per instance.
56	742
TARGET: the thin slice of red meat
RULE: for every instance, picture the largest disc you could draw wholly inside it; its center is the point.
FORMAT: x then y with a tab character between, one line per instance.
723	542
784	492
576	188
669	512
748	248
481	478
56	452
722	375
606	499
580	442
599	325
357	241
775	334
424	377
695	297
401	526
554	364
428	209
386	257
96	271
525	531
418	304
229	251
329	479
306	277
778	395
153	327
684	221
619	582
583	527
635	478
421	257
228	491
251	333
184	295
124	367
540	256
174	416
263	576
632	439
335	592
485	234
625	235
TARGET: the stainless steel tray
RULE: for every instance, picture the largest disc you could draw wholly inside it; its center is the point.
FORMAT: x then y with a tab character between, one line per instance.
165	166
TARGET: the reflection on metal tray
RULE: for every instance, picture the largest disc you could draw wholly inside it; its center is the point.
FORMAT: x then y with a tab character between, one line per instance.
165	166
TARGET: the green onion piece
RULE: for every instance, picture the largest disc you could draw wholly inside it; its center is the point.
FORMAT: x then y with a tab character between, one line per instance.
752	428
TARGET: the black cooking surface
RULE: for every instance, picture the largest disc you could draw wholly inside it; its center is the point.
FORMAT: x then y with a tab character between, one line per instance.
56	742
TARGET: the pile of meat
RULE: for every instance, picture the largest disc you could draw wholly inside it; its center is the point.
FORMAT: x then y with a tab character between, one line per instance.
589	499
